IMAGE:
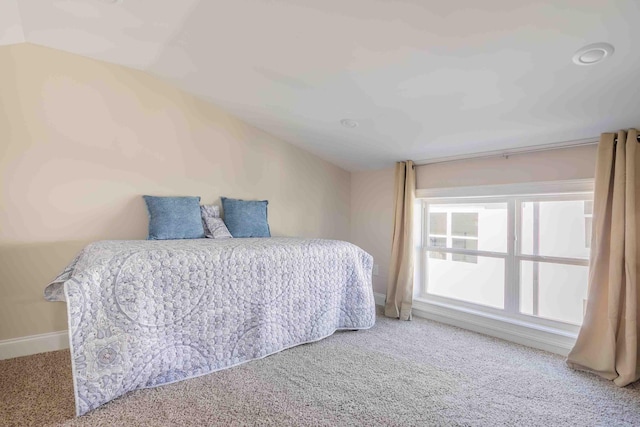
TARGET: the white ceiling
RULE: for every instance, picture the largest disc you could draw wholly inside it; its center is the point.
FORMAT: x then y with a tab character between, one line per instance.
424	79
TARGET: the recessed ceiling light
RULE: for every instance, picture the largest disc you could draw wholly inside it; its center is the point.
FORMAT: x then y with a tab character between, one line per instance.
348	123
593	53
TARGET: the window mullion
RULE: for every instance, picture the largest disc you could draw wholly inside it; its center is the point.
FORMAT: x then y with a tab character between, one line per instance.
554	260
512	288
424	277
423	253
466	252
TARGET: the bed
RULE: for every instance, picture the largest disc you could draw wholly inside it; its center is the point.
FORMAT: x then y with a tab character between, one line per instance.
146	313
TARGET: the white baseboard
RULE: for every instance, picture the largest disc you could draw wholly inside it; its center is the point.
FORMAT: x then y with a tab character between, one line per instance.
33	344
380	298
558	342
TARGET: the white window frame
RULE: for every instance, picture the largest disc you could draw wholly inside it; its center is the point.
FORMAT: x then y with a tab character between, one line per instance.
513	195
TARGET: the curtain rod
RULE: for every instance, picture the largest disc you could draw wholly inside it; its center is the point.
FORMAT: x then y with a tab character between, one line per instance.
513	151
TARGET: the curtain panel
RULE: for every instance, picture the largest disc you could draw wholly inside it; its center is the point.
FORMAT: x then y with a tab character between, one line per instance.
400	287
607	344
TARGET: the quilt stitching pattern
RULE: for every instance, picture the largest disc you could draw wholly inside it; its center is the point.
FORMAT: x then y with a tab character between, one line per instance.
147	313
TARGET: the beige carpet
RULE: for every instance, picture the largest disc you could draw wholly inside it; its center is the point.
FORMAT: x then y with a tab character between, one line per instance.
396	374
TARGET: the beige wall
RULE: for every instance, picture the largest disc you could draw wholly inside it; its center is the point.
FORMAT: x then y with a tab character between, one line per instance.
372	191
372	218
82	140
552	165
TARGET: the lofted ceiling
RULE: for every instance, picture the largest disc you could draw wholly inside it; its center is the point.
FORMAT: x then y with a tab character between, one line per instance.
423	79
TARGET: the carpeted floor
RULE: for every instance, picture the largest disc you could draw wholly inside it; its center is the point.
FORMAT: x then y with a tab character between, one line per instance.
417	373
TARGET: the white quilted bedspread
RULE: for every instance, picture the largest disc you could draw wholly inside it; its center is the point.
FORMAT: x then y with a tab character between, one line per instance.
146	313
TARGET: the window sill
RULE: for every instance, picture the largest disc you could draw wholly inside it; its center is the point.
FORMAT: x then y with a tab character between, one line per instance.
525	333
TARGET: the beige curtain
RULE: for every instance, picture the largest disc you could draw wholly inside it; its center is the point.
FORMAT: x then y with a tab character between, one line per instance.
608	340
400	287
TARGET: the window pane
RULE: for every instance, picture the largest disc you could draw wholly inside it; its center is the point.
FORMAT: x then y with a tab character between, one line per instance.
440	242
438	223
555	228
464	224
481	282
553	291
484	222
438	255
465	244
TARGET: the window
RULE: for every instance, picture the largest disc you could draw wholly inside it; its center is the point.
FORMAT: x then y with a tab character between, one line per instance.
523	255
458	256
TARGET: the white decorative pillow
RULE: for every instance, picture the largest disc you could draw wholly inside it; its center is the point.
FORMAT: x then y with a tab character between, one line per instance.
212	211
208	211
216	228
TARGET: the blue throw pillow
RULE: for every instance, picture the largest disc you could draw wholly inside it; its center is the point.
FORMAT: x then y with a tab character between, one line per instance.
174	218
246	218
